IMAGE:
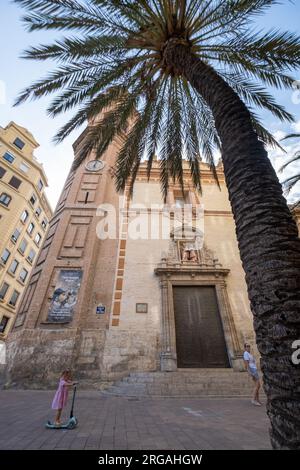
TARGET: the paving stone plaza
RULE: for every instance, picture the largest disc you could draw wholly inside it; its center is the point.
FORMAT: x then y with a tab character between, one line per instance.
110	423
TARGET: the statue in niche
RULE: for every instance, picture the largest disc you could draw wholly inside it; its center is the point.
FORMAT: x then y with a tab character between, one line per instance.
189	251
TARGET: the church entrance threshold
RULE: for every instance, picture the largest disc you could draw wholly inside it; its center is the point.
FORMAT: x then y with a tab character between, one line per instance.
200	341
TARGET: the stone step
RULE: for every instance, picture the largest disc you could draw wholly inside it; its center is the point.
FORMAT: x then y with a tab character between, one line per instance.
200	385
182	372
160	392
212	383
154	377
187	380
187	370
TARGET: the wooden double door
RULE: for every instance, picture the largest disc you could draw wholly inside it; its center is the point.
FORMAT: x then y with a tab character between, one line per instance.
200	340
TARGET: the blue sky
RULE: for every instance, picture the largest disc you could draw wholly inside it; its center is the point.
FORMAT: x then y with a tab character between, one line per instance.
16	74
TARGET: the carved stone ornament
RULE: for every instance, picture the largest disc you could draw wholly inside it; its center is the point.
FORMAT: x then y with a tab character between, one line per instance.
187	247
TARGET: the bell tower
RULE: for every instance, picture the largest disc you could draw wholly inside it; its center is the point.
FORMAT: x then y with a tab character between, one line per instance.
64	313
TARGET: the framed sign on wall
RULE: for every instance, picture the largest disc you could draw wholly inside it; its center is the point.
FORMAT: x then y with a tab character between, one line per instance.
141	308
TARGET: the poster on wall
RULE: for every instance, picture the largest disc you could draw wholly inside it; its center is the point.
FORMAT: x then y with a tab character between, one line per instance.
64	297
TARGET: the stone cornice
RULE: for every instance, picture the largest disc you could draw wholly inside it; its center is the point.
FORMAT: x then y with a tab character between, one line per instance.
169	270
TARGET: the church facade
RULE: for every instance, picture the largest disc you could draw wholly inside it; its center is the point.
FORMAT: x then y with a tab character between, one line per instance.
132	284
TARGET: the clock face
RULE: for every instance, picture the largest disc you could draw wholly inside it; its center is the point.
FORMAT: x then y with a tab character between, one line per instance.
95	165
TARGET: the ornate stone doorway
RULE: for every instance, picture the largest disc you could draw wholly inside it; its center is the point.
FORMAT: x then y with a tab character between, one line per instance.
204	271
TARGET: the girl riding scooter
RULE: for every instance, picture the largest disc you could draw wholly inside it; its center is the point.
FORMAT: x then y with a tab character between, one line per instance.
61	396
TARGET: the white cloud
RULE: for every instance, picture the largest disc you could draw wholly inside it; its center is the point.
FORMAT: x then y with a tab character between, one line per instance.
296	126
279	135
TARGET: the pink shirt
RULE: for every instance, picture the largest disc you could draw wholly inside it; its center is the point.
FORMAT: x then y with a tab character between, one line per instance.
61	395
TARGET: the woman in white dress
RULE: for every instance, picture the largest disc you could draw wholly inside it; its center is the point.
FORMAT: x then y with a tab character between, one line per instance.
250	365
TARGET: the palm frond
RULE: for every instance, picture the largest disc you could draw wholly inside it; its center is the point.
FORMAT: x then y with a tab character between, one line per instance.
289	183
295	158
71	49
254	94
291	136
264	135
111	71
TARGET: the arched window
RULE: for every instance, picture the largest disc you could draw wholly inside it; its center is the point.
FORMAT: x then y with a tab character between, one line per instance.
5	199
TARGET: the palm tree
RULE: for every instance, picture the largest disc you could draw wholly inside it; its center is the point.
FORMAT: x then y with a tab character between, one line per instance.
193	69
290	182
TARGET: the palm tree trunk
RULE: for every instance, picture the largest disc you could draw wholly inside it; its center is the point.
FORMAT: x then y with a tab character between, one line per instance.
268	242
